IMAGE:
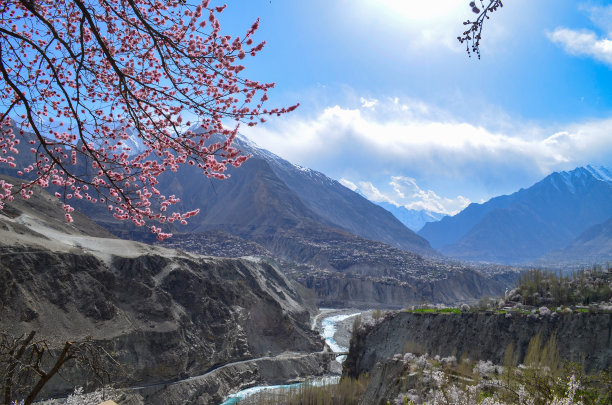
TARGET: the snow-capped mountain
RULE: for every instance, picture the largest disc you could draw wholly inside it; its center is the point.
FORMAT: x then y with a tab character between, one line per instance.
600	173
413	219
529	223
133	145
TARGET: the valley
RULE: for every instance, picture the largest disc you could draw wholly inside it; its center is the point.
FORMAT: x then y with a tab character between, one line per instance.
321	203
227	303
186	325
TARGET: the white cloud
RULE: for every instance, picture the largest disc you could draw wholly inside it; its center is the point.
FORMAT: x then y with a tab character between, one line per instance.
414	197
456	161
600	16
586	42
397	133
368	103
348	184
583	42
404	191
372	193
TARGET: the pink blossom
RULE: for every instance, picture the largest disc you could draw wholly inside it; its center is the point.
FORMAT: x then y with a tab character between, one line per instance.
119	87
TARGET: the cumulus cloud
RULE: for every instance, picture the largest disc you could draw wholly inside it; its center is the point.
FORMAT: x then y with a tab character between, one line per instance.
372	193
397	133
414	197
583	42
348	184
368	103
404	191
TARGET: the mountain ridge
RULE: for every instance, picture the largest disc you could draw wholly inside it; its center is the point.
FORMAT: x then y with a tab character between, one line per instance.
529	223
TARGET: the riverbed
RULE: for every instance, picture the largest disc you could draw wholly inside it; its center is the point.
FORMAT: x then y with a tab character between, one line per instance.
335	327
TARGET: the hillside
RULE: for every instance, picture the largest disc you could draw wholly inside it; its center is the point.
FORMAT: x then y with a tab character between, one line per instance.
267	196
270	207
165	314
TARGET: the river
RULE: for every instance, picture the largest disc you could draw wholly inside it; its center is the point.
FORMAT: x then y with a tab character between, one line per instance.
334	327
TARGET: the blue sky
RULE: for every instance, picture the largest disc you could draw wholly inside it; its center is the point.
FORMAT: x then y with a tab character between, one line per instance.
390	102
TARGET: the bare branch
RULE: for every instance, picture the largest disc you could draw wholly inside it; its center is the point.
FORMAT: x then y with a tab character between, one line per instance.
472	36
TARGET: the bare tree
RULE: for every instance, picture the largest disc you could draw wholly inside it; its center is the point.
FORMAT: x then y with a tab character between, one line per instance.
472	36
28	364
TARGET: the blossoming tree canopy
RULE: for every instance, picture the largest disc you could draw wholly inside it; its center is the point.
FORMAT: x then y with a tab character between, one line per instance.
81	78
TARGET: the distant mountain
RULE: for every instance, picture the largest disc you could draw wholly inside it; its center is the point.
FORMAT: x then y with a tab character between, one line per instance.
593	246
529	223
413	219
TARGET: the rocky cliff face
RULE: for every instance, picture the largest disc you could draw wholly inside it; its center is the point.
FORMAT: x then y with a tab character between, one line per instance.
213	387
165	314
363	291
581	337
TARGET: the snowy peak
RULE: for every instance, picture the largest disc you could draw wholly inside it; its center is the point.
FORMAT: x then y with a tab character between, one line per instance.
134	143
247	146
601	173
413	219
527	224
578	179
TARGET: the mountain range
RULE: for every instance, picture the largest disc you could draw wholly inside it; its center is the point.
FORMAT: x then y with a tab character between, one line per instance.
330	238
529	223
268	197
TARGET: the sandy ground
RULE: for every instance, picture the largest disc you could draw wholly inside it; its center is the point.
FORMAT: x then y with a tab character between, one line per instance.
45	237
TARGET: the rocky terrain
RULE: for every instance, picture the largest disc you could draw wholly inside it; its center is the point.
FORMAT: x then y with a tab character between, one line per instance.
213	387
335	289
343	270
349	251
165	314
581	337
269	200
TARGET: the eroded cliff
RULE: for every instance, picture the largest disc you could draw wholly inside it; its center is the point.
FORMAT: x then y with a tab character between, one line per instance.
581	337
164	314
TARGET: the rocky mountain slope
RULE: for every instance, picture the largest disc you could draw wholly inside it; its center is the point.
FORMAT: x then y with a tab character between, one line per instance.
581	337
268	196
529	223
341	270
272	208
165	314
